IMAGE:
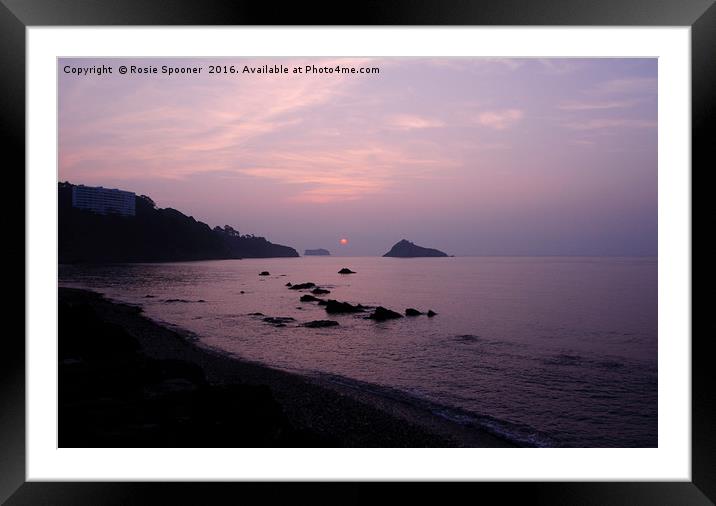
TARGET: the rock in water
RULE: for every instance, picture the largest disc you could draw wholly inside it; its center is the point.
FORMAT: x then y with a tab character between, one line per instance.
288	284
381	314
317	252
309	298
278	321
346	270
302	286
320	291
431	313
264	273
407	249
333	306
317	324
412	312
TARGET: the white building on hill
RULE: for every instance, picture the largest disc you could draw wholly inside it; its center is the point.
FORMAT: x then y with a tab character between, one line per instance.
103	200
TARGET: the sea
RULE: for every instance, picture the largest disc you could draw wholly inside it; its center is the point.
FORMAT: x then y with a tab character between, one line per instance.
543	351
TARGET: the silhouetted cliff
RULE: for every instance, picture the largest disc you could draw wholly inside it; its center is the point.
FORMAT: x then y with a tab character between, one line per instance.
152	235
406	249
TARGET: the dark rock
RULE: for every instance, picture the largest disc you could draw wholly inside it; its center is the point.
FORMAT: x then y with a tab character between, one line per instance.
264	273
336	307
407	249
149	296
317	252
320	291
303	286
309	298
288	284
381	314
412	312
431	313
316	324
256	314
346	270
278	321
242	291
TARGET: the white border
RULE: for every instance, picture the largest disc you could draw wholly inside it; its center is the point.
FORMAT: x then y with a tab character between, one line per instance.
671	461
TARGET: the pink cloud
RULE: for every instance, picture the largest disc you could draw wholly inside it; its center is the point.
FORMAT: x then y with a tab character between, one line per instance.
500	120
412	122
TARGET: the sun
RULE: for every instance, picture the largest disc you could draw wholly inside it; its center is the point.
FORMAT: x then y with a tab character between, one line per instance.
343	241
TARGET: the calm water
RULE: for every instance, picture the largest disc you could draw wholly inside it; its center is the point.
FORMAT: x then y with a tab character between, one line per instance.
546	351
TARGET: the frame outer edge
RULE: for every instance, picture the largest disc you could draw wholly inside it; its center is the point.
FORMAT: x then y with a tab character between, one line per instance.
12	356
12	100
367	12
703	121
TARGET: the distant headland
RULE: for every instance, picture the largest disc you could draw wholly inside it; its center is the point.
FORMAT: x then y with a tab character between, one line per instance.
407	249
105	225
317	252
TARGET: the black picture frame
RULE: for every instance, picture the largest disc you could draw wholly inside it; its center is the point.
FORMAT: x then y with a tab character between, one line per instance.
700	15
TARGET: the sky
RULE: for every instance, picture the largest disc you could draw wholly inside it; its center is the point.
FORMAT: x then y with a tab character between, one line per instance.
472	156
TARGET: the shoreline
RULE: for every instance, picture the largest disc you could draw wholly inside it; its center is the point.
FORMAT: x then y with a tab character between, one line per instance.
301	410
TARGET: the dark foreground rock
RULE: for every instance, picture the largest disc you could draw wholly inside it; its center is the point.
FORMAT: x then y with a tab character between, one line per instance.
112	394
302	286
317	324
320	291
309	298
264	273
381	314
431	313
412	312
407	249
346	270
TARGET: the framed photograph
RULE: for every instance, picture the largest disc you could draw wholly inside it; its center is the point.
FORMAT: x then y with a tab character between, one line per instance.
435	242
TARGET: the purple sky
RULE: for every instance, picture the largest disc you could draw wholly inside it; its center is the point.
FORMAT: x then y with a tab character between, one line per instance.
471	156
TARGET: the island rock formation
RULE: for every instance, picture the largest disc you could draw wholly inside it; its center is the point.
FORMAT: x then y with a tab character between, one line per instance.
316	252
407	249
